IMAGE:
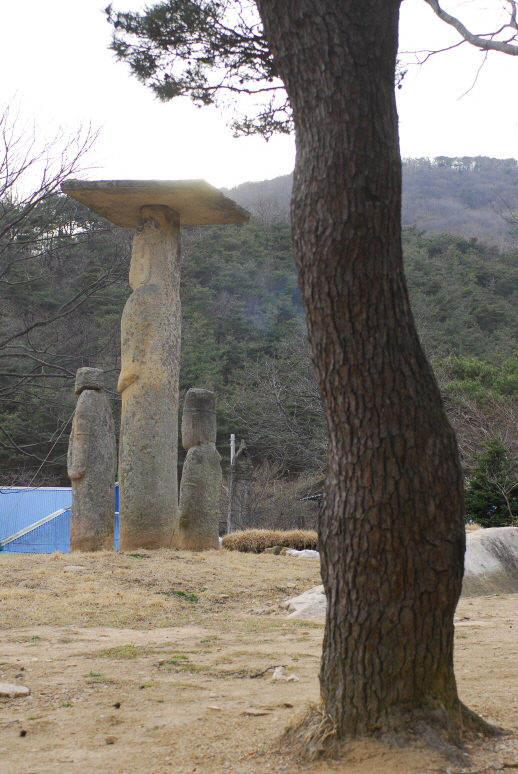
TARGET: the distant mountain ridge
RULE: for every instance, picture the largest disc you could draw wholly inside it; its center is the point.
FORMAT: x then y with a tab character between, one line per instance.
461	195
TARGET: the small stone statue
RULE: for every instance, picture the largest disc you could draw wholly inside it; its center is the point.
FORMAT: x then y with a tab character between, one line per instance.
200	488
92	465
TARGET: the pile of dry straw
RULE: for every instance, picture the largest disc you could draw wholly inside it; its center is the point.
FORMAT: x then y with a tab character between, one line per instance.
254	541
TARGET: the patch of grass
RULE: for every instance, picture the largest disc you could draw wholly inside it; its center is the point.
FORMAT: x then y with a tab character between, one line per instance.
65	704
93	674
307	624
186	686
210	638
177	658
187	666
30	640
181	594
461	636
123	651
138	556
280	588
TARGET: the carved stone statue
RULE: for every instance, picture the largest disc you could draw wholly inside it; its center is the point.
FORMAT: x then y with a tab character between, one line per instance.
200	488
92	465
150	345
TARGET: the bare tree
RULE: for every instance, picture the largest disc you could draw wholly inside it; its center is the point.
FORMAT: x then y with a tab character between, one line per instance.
478	420
270	209
55	260
278	405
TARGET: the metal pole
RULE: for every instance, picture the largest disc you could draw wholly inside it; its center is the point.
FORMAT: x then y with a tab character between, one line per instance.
232	447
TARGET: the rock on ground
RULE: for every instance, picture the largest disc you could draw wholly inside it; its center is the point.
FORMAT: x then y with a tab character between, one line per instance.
491	562
12	690
309	604
491	567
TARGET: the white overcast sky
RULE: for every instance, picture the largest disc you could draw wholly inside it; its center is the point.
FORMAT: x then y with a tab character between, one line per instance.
55	62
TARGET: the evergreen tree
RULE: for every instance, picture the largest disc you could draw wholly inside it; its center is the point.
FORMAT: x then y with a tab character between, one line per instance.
492	490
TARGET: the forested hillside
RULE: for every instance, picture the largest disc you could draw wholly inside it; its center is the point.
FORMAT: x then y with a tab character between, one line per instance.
468	196
243	333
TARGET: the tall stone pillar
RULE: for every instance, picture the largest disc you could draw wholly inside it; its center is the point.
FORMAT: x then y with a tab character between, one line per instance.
201	476
151	340
150	353
92	465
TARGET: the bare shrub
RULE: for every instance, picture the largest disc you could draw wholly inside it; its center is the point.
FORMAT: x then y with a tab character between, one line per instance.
276	499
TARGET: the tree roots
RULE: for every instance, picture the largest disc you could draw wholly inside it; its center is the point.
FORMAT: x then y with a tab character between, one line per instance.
316	735
312	735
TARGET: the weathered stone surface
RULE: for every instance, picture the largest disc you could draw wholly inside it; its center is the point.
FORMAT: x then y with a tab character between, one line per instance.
309	604
240	490
89	379
11	690
92	465
120	201
199	418
305	553
199	498
150	349
201	476
491	562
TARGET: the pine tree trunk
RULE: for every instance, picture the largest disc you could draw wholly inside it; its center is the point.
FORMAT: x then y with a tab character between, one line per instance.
392	529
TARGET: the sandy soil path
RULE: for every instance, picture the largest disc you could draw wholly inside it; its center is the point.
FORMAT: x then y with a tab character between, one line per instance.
140	664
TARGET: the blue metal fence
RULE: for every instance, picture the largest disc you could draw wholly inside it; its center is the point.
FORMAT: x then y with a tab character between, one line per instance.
42	516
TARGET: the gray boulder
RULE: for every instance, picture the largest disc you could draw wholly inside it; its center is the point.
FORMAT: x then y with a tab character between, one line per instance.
491	567
491	562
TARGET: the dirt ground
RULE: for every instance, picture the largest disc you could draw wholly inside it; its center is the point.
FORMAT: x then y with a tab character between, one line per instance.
153	663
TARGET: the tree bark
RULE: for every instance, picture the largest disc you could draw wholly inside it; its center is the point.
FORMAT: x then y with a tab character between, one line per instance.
392	529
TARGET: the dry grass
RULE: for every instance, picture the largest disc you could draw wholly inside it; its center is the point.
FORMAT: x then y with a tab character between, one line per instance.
255	541
147	589
310	734
186	684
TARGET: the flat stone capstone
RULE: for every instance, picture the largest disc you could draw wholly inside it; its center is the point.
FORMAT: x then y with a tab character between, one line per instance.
120	201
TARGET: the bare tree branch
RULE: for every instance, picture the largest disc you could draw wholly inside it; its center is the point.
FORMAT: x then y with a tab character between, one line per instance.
485	41
476	77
